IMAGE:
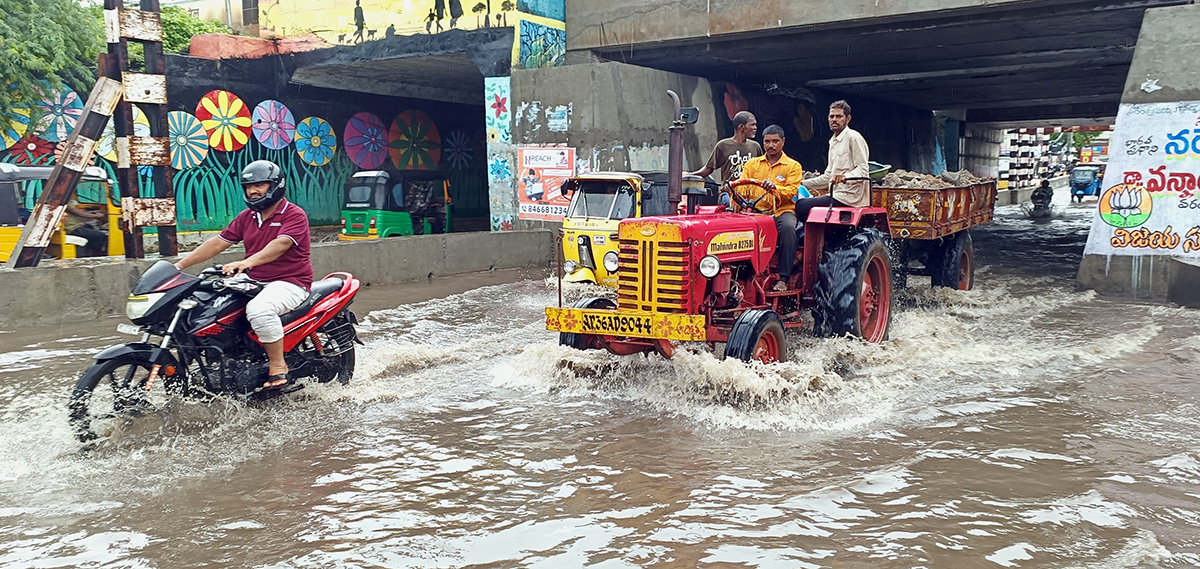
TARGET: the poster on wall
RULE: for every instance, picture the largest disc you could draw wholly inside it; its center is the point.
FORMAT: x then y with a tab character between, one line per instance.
1149	203
543	169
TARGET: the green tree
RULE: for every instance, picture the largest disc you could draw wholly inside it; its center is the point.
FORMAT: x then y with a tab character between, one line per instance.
45	40
179	27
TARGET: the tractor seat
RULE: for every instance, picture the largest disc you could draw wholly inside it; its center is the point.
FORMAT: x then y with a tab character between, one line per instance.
319	290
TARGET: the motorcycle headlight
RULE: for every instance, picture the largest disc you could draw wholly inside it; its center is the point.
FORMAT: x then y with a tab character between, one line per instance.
611	263
138	305
710	266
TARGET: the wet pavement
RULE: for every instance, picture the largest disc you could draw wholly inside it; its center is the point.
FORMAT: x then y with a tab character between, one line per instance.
1020	424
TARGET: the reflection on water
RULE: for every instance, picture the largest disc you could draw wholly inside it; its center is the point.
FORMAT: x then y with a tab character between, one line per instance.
1022	424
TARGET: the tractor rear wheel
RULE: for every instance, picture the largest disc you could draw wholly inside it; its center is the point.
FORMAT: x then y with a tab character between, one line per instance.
586	341
757	335
854	288
952	265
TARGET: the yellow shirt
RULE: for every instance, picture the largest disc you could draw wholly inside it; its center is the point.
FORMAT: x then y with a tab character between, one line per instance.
785	173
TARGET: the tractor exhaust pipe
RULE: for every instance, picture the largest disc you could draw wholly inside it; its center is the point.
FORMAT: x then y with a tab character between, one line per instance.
675	157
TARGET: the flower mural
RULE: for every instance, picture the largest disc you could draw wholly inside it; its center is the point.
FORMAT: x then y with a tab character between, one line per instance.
415	141
31	150
459	150
188	139
315	141
60	111
365	141
106	147
226	118
13	126
274	126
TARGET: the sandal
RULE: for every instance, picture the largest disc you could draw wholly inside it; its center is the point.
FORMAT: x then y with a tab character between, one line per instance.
271	379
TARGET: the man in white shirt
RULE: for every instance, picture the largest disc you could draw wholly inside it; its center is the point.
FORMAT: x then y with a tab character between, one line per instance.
848	157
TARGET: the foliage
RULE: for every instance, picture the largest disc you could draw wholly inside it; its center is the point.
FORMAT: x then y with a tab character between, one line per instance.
1083	139
179	27
45	40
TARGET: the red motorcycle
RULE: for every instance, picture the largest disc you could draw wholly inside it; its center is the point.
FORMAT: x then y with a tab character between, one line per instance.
205	345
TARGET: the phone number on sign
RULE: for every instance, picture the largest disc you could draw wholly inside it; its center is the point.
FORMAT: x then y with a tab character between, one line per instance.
559	210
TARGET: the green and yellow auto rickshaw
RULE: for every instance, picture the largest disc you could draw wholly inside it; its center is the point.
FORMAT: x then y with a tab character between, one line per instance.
381	203
599	201
95	192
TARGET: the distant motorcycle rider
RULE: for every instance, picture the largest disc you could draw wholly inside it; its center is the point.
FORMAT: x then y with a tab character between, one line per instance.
275	233
1042	196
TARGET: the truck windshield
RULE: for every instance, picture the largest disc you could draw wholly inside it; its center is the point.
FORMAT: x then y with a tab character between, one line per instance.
602	199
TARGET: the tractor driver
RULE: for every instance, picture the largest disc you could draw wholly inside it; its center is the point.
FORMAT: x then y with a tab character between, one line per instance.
275	233
779	175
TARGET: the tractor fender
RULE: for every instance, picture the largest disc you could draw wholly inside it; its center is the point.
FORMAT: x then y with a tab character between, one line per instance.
861	217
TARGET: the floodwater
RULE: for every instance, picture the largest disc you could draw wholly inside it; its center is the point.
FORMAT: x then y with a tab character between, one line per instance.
1021	424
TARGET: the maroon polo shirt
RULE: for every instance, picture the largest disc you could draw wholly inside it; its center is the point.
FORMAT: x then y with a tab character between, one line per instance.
288	220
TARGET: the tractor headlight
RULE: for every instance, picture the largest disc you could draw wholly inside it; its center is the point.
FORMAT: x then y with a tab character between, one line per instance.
611	262
570	266
710	266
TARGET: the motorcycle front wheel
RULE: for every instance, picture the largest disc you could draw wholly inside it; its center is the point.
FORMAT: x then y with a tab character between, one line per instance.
113	391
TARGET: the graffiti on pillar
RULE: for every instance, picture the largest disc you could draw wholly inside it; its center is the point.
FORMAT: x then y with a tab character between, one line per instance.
540	43
502	196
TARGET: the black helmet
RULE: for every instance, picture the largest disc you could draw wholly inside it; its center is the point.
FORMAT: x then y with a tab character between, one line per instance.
263	171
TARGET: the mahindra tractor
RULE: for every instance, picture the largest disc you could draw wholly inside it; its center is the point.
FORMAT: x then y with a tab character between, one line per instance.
709	275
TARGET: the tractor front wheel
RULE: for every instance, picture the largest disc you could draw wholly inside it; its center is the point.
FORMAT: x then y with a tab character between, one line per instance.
757	335
854	288
586	341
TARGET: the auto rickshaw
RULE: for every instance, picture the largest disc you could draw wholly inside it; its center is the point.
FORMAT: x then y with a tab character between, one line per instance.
94	192
1085	181
375	204
599	201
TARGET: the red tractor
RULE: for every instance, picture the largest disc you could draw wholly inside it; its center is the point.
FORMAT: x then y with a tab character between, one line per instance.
708	276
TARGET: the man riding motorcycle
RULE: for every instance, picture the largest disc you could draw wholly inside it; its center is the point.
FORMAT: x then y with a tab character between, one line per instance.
275	233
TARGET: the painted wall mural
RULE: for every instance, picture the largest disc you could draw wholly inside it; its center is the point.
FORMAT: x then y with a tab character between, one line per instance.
210	147
501	155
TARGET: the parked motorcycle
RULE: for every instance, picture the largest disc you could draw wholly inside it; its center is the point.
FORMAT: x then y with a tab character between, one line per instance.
206	346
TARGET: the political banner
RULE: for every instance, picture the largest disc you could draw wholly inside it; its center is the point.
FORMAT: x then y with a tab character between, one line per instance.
1149	204
543	169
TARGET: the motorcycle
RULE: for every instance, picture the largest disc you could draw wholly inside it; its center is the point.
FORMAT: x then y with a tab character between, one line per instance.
207	346
1041	199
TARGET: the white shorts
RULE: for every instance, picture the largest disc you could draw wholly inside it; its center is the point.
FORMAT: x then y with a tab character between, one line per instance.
263	311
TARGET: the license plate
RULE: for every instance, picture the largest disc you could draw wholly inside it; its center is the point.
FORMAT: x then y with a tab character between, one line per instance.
679	327
129	329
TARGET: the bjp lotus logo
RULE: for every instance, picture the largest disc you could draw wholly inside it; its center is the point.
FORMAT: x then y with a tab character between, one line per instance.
1126	205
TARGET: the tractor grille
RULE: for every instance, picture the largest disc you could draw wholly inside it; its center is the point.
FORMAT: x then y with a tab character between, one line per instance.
653	276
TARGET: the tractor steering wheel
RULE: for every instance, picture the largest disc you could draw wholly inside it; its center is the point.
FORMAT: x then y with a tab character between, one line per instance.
747	204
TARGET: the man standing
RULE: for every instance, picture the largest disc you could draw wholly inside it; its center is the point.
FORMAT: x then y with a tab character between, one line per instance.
848	156
780	175
730	154
275	233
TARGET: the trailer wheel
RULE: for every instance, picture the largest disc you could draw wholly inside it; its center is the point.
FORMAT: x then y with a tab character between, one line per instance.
757	335
953	264
854	288
585	341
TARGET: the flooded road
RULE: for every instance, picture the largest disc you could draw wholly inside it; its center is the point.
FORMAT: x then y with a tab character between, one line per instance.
1021	424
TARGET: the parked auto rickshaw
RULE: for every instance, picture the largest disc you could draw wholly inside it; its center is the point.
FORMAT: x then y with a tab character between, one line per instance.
380	203
599	201
1085	181
94	192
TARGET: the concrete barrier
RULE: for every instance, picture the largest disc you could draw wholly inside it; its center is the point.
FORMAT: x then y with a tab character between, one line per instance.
1149	277
85	289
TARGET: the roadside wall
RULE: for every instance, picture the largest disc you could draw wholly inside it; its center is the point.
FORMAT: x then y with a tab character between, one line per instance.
1165	54
86	289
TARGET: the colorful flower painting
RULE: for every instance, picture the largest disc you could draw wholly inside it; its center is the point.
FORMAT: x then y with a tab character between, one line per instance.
59	112
274	126
226	118
315	141
107	145
415	142
188	139
13	126
497	116
365	141
459	150
31	150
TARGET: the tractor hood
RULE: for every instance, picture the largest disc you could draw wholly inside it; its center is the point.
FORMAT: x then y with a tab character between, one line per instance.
732	237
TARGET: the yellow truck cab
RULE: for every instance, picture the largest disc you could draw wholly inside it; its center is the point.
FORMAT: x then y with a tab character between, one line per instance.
599	201
95	192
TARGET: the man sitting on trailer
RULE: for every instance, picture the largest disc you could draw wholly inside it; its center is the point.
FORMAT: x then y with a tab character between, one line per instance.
848	157
780	175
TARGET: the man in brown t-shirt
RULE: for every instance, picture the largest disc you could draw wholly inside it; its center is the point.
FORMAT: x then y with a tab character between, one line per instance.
730	154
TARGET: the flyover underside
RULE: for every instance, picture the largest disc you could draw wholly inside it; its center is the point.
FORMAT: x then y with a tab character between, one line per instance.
1007	64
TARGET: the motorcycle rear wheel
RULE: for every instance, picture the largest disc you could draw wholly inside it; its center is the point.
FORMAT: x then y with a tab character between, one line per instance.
114	390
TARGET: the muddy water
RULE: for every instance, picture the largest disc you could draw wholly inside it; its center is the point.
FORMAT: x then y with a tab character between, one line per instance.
1022	424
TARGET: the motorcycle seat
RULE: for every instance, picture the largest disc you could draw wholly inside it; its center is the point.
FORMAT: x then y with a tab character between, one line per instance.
319	290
